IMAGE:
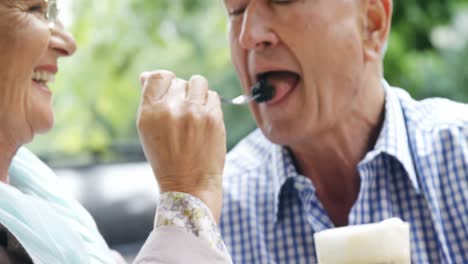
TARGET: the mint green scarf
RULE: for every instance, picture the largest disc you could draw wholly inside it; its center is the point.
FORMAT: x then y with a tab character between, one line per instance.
46	220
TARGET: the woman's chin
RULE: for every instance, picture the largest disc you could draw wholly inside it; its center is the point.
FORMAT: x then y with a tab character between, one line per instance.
40	113
43	124
46	127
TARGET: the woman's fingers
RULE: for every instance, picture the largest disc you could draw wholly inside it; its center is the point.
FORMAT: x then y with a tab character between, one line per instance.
176	91
197	90
155	85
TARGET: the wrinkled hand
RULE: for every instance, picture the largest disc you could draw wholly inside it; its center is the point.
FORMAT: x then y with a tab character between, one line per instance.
183	136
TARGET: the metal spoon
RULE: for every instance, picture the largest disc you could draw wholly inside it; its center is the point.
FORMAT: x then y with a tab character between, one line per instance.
240	100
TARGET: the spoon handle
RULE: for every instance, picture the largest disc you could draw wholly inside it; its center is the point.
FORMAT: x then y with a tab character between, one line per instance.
239	100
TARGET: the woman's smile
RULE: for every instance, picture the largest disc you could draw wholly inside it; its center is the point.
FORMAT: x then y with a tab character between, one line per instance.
43	76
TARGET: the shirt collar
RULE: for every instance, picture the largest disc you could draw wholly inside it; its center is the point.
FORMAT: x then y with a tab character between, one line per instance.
392	140
282	169
393	137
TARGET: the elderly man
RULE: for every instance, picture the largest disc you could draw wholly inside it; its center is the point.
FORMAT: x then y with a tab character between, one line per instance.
337	145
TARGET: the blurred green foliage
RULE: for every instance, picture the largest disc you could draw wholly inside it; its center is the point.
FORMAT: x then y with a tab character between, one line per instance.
97	94
415	62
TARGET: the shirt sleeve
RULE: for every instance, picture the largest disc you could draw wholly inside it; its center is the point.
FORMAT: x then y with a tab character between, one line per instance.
186	211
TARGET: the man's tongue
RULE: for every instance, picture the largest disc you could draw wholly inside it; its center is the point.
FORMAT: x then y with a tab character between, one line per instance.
283	82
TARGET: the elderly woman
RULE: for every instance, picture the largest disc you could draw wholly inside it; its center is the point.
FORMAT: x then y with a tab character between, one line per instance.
41	223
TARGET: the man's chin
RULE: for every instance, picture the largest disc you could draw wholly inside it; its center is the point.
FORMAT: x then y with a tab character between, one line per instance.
278	135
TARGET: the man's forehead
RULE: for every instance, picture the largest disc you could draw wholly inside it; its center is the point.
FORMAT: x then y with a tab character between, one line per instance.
234	1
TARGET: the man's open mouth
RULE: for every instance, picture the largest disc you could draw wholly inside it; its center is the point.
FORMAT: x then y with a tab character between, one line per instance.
282	81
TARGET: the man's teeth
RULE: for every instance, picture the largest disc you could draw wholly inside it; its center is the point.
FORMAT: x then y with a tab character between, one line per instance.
42	76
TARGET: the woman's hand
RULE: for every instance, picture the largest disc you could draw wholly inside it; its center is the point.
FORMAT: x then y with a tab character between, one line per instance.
183	135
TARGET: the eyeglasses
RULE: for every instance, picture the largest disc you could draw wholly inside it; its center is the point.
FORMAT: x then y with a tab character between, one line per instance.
52	12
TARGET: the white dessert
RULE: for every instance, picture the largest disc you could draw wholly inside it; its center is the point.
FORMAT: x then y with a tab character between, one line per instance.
387	242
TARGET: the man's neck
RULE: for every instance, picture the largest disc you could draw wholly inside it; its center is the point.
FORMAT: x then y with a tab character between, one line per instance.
330	159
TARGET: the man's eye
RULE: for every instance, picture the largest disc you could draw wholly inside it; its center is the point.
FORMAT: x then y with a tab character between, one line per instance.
282	2
237	11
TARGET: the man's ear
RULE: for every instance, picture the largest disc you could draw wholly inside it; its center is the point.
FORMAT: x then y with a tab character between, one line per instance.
377	20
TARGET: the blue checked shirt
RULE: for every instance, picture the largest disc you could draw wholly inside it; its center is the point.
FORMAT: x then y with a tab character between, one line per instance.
417	171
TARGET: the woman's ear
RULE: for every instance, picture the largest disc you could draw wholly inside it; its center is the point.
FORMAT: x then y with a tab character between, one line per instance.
377	20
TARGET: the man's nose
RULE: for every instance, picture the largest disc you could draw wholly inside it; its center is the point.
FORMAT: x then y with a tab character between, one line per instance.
257	31
61	40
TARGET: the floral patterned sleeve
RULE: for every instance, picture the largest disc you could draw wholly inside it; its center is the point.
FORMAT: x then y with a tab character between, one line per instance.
186	211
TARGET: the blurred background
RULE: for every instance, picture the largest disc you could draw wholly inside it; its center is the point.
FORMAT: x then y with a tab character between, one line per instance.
94	146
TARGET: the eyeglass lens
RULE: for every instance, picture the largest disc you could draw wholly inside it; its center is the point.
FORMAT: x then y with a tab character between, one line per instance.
52	12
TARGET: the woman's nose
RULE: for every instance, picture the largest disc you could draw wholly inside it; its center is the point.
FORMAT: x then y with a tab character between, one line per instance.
61	40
